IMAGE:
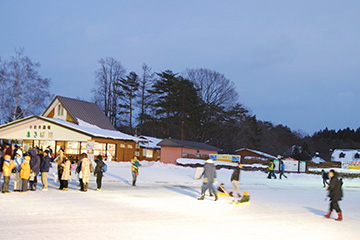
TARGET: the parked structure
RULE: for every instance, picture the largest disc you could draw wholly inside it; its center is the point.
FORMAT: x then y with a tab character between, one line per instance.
247	154
172	149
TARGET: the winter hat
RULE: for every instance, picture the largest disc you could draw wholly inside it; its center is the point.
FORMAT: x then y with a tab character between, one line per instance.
246	193
209	160
27	158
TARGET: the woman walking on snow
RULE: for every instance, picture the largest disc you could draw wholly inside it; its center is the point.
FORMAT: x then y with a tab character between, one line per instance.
66	174
135	169
209	179
335	195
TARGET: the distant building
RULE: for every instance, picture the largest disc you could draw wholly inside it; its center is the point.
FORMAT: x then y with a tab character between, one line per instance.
340	155
149	150
317	159
248	154
172	149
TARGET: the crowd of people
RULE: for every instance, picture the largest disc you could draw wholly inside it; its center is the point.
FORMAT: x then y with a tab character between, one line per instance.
27	167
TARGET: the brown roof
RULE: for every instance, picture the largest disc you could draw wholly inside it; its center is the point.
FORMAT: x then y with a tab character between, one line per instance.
85	111
189	144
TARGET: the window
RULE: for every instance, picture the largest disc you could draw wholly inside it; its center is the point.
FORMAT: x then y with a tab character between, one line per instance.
342	155
137	146
122	145
129	146
149	153
357	156
60	111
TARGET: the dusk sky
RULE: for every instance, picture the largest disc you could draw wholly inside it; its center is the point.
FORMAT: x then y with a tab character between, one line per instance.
294	63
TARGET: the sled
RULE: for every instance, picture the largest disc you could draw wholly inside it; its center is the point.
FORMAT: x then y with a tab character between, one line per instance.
198	173
241	203
224	193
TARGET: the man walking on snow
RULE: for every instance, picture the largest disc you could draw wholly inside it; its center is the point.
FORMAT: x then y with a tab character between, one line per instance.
209	179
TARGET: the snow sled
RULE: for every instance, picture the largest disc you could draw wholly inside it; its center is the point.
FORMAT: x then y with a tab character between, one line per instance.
245	200
222	192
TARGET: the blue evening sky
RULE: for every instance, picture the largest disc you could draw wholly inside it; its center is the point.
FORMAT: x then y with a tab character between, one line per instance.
293	62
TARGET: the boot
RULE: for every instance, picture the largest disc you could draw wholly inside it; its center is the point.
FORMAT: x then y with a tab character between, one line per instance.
86	187
202	196
230	194
216	198
340	218
328	215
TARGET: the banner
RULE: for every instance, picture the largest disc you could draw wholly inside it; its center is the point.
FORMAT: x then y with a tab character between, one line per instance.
90	149
354	164
225	157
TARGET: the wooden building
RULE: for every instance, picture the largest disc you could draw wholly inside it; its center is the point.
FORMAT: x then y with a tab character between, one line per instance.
172	149
72	124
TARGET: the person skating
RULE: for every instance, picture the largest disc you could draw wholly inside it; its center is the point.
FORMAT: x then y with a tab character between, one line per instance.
235	181
8	166
35	168
282	169
335	195
271	169
324	177
135	169
25	173
209	179
85	171
99	171
44	169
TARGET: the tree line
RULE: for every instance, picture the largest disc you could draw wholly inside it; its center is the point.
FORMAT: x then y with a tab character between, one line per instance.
197	105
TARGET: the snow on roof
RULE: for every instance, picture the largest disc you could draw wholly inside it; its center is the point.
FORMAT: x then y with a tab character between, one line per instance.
339	155
150	143
317	160
201	161
257	152
93	130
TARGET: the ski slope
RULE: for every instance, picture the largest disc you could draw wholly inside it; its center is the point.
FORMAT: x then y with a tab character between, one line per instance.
164	205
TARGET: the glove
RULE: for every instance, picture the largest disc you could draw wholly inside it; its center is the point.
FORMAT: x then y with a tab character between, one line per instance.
205	180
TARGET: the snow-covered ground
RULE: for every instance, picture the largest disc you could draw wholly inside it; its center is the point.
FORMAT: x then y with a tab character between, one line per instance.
164	205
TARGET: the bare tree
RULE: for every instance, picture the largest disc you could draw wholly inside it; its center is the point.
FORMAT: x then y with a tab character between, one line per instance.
145	82
26	91
215	89
107	91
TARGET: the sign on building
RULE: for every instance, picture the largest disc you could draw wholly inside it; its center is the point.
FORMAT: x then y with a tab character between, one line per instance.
225	157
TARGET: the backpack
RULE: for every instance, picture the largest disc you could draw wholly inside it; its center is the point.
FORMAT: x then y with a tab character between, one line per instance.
103	167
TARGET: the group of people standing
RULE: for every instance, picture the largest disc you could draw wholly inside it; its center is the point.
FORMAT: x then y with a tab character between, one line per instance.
271	168
26	168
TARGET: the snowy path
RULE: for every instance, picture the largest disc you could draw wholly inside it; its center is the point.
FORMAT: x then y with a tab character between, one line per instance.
164	206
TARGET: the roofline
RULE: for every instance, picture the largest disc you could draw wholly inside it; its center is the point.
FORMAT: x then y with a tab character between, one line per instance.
58	98
62	125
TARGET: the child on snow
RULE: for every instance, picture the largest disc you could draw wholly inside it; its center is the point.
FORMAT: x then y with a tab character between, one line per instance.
25	173
135	169
282	169
8	166
271	169
325	177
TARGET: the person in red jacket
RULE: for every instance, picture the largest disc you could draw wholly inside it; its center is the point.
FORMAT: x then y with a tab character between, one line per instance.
8	166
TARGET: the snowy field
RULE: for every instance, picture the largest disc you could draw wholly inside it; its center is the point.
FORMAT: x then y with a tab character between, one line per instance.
164	205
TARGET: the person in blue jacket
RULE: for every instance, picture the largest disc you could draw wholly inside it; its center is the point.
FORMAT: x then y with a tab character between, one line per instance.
44	169
35	168
135	169
282	169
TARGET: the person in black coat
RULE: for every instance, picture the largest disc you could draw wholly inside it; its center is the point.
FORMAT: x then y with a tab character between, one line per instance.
335	195
35	168
44	169
99	171
325	177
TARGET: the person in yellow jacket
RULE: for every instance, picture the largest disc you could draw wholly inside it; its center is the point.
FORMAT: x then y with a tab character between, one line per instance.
25	173
8	166
135	169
